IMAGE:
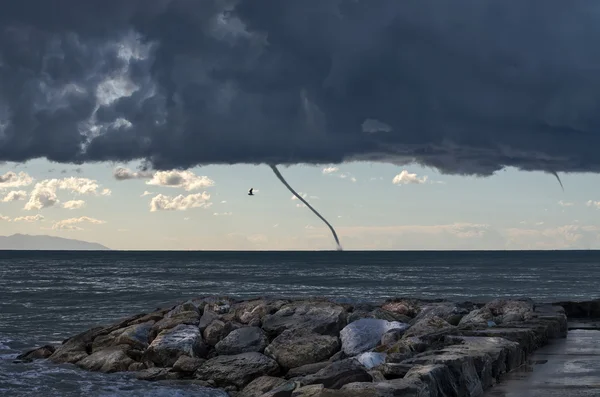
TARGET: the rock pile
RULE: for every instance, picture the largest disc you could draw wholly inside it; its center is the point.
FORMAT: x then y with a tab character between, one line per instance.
312	348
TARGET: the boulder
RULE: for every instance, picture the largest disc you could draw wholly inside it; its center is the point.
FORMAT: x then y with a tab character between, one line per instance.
186	318
153	374
261	385
243	340
170	344
137	336
111	359
252	312
394	370
237	370
406	307
377	313
155	316
476	319
294	348
408	345
76	348
448	311
308	391
307	369
365	334
36	354
207	318
216	331
510	310
188	364
339	373
371	359
326	318
429	326
392	336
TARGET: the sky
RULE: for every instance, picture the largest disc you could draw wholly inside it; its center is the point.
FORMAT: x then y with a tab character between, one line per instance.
372	206
409	125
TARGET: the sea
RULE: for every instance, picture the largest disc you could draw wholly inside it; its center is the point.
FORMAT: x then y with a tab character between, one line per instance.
47	296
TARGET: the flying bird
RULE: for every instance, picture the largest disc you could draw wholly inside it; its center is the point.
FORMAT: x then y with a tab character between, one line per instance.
250	192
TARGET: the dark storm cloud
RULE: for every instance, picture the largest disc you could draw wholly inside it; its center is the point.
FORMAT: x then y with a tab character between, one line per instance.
464	86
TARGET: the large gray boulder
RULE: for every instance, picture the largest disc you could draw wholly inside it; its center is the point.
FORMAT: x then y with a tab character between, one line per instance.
447	311
170	344
243	340
365	334
294	348
111	359
237	370
326	318
477	319
137	336
338	374
262	385
190	317
429	326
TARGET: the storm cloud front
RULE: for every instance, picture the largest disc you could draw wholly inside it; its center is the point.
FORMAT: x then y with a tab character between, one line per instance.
467	87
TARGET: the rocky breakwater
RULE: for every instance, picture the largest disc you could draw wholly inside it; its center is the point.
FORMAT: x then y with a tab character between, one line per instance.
319	348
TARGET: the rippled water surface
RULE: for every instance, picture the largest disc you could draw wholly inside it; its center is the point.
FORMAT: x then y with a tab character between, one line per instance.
48	296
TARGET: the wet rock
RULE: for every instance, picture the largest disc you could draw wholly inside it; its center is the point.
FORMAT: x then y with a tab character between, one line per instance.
294	348
166	348
407	307
243	340
261	385
377	313
153	374
36	354
221	306
338	374
216	331
188	364
364	334
182	318
510	310
207	318
408	345
252	312
307	369
324	318
448	311
237	370
136	336
394	370
135	366
111	359
76	348
476	319
392	336
338	356
371	359
283	390
390	388
429	326
308	391
154	316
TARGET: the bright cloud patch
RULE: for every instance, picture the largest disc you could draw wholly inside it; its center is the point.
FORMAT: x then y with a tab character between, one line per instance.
74	204
71	224
406	178
123	174
30	218
162	202
146	193
565	203
592	203
330	170
12	179
223	213
186	180
15	195
44	193
4	218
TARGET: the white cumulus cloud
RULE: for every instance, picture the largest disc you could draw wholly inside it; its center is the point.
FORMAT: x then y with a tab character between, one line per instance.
4	218
330	170
12	179
44	193
406	178
162	202
30	218
71	223
565	203
15	195
74	204
592	203
122	174
186	180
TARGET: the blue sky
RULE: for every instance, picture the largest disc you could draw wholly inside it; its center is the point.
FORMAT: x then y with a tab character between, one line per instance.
510	210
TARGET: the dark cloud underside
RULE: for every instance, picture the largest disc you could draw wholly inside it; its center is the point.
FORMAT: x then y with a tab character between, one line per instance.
464	86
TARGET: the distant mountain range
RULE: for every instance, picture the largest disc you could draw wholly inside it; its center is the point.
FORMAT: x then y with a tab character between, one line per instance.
47	243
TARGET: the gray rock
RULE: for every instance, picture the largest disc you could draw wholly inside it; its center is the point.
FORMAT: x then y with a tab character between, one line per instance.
111	359
153	374
166	348
243	340
429	326
216	331
284	390
338	374
237	370
252	312
294	348
394	370
307	369
154	316
188	364
137	336
261	385
308	391
182	318
520	309
391	388
392	336
476	319
324	318
406	307
135	366
448	311
207	318
36	354
364	334
76	348
377	313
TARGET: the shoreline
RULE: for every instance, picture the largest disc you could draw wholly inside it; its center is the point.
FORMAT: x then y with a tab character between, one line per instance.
268	347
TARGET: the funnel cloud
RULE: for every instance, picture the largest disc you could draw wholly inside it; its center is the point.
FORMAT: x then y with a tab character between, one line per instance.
466	87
